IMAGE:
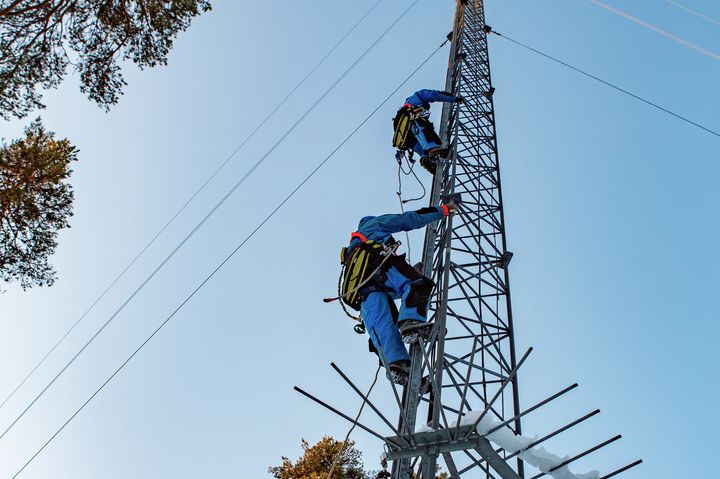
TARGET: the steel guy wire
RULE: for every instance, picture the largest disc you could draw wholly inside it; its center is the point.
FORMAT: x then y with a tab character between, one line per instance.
694	12
607	83
232	253
659	30
192	198
213	210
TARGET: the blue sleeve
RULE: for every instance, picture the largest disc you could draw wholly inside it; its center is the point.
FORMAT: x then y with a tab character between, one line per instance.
410	220
430	96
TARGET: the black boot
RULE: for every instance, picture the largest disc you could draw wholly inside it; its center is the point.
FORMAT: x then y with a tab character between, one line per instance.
399	372
412	329
429	164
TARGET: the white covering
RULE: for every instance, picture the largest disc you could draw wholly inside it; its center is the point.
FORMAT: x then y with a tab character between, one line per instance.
508	440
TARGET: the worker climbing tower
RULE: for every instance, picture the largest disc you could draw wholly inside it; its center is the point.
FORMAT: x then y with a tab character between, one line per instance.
461	408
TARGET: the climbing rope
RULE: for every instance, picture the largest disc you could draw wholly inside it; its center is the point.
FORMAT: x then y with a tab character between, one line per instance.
344	307
347	436
399	156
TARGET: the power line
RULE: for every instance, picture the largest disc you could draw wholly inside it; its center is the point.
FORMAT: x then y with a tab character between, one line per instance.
232	253
611	85
192	198
694	12
213	210
659	30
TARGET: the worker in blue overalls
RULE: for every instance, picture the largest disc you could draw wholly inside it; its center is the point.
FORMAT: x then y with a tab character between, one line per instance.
389	278
421	137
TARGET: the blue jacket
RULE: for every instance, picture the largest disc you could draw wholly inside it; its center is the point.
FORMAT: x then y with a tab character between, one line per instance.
381	228
423	98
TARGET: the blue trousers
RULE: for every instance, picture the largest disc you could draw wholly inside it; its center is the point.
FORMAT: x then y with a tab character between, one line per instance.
424	141
378	319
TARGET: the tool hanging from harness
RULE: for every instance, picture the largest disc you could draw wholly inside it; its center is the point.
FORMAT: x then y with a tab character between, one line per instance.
363	266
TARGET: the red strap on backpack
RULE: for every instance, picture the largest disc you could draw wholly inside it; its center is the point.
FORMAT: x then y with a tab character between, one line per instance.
358	236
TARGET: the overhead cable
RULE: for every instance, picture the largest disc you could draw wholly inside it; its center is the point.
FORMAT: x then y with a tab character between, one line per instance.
659	30
192	198
232	253
611	85
694	12
213	210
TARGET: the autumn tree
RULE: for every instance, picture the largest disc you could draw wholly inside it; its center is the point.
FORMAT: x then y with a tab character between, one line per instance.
39	39
317	460
35	203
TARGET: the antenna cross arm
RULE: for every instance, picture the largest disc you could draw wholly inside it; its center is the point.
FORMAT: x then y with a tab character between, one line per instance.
441	442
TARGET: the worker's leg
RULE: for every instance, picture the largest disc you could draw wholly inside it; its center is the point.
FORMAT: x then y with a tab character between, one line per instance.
381	327
418	148
425	134
414	291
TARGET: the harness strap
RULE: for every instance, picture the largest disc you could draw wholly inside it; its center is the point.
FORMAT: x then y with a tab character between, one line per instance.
390	254
359	236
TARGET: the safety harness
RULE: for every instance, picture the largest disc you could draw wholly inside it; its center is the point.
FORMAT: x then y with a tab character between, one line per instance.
362	268
402	125
361	264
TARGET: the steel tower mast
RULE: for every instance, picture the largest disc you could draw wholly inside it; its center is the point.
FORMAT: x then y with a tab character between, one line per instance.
469	360
473	352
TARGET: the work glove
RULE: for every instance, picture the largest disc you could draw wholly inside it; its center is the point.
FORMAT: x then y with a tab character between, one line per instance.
459	99
452	207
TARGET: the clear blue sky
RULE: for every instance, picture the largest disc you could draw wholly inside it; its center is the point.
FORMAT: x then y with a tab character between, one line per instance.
611	211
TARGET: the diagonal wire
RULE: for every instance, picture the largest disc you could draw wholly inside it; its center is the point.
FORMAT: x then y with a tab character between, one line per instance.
212	211
232	253
694	12
191	199
659	30
611	85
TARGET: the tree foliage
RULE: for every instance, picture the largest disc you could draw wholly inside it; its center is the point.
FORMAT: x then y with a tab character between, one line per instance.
317	460
39	39
35	203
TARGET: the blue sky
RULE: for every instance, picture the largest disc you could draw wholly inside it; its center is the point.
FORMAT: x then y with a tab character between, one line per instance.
611	211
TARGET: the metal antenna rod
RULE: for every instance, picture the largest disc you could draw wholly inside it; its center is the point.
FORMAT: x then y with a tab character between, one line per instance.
366	399
344	416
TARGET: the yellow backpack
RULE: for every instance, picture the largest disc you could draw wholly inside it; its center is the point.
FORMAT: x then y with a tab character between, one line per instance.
402	127
364	261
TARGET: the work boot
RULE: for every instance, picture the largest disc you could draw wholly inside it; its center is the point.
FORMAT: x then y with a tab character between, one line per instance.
438	152
399	372
429	164
412	329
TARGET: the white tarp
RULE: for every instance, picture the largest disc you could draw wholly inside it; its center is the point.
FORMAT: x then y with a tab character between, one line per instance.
511	442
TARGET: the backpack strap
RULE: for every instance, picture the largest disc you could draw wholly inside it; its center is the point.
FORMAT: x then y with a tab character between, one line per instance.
359	236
